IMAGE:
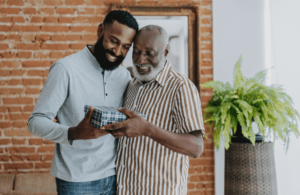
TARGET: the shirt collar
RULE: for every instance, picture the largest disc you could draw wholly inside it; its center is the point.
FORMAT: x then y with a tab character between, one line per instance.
162	77
90	55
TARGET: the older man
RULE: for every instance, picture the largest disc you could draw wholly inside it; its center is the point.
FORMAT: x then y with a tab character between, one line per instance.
153	153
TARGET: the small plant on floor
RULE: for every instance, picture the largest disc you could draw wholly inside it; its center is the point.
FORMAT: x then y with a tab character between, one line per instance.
248	99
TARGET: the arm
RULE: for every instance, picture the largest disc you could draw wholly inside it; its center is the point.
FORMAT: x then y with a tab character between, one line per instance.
52	97
190	144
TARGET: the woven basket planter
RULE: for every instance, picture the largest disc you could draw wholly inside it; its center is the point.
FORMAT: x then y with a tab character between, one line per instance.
250	170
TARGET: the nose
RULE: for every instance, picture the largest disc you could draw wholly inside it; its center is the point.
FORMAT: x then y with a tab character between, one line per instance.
142	59
118	50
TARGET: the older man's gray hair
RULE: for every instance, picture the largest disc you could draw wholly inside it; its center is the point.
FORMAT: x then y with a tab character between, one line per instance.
163	33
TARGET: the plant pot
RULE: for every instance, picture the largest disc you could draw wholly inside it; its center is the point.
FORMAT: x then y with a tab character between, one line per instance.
239	137
250	169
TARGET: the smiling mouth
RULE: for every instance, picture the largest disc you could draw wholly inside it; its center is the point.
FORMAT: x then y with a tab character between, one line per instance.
110	57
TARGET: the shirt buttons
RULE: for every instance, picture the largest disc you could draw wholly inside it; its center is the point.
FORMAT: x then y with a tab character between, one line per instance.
106	94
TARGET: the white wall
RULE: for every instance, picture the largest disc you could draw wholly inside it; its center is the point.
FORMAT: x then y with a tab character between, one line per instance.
285	21
238	29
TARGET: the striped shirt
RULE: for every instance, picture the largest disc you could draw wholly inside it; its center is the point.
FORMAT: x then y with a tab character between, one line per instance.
144	166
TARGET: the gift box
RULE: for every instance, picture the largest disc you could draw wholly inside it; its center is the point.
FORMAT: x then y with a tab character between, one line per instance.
103	115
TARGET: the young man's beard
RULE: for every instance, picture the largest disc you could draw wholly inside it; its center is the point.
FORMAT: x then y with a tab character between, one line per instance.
100	55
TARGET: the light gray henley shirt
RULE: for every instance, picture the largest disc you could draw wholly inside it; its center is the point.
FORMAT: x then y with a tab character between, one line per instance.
73	82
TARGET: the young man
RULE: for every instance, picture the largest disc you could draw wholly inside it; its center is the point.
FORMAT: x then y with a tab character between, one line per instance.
153	153
84	156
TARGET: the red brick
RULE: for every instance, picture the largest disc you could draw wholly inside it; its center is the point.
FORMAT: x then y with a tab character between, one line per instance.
81	19
206	55
46	149
206	63
42	37
33	157
4	157
10	10
16	141
55	28
4	73
15	2
32	82
18	166
84	28
18	19
90	11
17	158
43	165
47	10
65	10
207	71
108	2
191	186
53	2
12	133
74	2
36	19
47	157
55	46
3	46
205	21
94	2
49	142
46	73
206	47
102	11
35	72
28	37
21	149
43	54
4	141
205	11
2	37
8	55
89	38
11	91
32	91
29	11
36	141
14	37
28	46
25	28
19	124
51	19
17	100
14	82
3	109
17	116
56	55
1	149
65	19
206	30
96	19
28	108
36	64
204	80
77	46
17	72
6	19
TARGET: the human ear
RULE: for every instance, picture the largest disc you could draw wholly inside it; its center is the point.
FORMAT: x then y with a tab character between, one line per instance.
100	31
166	52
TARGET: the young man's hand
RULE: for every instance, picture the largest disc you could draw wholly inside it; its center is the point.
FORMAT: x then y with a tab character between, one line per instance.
133	127
85	130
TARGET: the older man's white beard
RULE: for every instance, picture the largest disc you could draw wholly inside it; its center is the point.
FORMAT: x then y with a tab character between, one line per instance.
152	73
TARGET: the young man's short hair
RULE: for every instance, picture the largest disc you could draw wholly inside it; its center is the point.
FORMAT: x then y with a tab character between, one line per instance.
123	17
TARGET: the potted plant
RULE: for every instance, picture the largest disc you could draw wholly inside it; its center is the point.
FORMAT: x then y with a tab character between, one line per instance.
249	169
249	99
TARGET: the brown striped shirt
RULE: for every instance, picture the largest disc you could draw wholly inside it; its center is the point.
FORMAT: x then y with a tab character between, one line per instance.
144	166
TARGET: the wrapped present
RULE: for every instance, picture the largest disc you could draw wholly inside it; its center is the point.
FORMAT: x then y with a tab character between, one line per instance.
103	115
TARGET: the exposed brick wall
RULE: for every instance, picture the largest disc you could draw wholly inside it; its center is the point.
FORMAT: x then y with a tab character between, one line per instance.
36	33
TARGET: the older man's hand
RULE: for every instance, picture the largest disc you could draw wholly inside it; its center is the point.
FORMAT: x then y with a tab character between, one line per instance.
133	127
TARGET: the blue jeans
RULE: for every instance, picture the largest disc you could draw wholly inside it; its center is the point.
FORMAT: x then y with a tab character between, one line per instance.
105	186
